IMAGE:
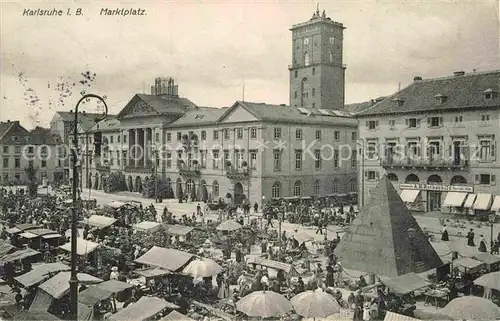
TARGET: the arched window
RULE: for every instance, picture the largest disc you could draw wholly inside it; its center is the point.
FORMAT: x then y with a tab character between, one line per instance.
434	179
189	186
316	188
412	178
458	180
306	59
297	188
353	186
392	177
336	186
276	190
215	189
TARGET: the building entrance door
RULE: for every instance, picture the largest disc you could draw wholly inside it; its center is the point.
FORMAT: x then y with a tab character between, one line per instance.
434	201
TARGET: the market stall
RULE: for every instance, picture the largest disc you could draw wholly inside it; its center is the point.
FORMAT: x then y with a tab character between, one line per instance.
147	227
492	262
40	273
37	238
146	308
99	221
168	259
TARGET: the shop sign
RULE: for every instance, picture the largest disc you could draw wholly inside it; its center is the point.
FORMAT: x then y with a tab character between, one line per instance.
438	188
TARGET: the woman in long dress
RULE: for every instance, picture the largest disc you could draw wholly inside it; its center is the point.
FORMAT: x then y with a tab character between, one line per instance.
482	245
470	238
444	234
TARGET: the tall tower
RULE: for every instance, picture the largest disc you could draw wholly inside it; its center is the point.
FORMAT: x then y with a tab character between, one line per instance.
317	73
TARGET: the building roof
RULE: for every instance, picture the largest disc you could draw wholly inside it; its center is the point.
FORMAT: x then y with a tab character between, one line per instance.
44	136
355	108
286	114
199	116
4	128
13	133
108	124
86	120
378	240
461	91
150	105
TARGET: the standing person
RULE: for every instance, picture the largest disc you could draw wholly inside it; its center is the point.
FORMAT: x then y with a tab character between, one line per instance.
482	244
358	306
270	220
255	207
319	223
319	275
444	234
470	238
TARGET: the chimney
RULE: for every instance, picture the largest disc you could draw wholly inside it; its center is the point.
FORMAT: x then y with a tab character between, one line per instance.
417	78
458	73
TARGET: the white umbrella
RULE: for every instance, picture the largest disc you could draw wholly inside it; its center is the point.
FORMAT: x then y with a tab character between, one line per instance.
315	304
490	280
202	268
264	304
229	225
472	308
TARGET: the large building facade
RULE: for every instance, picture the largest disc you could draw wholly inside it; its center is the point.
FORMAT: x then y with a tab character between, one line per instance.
436	140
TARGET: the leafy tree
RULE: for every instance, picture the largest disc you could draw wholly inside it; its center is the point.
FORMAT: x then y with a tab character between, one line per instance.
115	182
149	188
32	182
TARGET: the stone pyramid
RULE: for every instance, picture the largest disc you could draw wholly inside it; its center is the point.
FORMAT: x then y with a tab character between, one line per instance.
378	240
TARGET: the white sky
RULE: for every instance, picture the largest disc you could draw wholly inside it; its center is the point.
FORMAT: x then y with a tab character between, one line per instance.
211	48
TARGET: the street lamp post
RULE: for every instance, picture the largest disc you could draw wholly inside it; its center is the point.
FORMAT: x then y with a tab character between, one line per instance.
73	282
491	218
411	236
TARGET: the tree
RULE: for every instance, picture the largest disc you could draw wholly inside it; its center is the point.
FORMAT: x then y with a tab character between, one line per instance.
115	182
149	187
32	182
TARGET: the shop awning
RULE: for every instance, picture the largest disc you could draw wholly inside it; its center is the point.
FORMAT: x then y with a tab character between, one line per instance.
19	255
40	273
83	247
405	284
168	259
496	204
409	195
152	273
487	258
144	309
483	202
58	285
99	221
470	200
93	295
454	199
468	263
113	286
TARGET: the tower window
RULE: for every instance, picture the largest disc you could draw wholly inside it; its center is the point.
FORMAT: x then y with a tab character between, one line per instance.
306	59
314	71
314	91
296	73
295	94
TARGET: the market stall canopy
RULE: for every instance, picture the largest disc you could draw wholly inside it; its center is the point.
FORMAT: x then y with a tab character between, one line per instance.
99	221
496	204
288	268
391	316
404	284
454	199
177	230
83	247
468	263
202	268
316	304
264	304
472	308
147	226
58	285
5	248
40	273
302	237
486	258
113	286
229	225
483	202
164	258
176	316
490	280
152	273
116	204
144	309
93	295
19	255
21	228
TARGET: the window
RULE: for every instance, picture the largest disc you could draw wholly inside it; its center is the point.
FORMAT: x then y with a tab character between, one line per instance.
6	176
203	135
434	149
353	160
353	185
203	158
5	162
226	133
253	132
412	122
295	94
169	137
486	150
157	137
485	179
313	92
298	134
318	135
239	133
488	96
253	159
226	156
277	160
392	123
354	136
17	149
298	160
336	135
335	186
179	135
276	190
44	163
124	138
17	162
215	189
215	134
169	160
296	75
372	124
111	139
459	119
215	159
313	105
306	59
485	118
118	138
314	73
30	149
336	163
372	150
316	188
17	177
277	133
297	189
6	149
413	149
434	121
238	158
370	175
317	159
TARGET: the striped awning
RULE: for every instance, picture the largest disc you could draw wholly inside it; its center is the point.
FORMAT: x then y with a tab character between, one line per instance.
409	195
496	204
454	199
483	202
470	200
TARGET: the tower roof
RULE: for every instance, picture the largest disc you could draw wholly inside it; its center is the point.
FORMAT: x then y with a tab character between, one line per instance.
378	240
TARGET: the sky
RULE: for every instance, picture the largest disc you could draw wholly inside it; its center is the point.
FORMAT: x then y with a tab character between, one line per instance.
212	48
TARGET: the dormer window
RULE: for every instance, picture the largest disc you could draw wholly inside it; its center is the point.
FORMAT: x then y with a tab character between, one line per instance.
399	101
489	94
440	98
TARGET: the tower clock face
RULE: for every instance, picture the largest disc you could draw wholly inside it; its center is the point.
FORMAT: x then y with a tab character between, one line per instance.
332	40
306	41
